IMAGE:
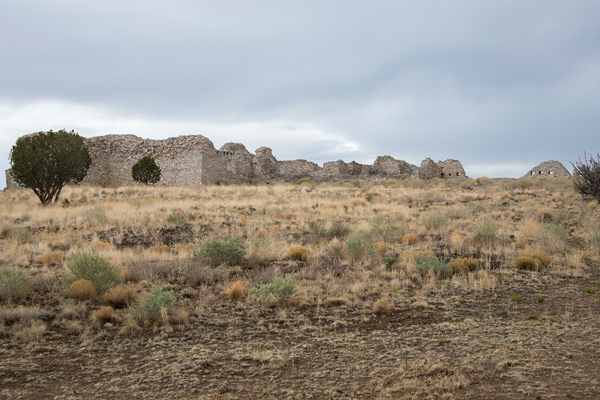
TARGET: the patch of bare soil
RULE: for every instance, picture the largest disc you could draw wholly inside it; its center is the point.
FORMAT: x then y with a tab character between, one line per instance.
449	346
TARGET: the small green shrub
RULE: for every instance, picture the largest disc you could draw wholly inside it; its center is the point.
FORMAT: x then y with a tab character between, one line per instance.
336	230
282	288
94	268
389	262
385	228
426	262
14	284
217	251
517	298
155	306
486	234
360	246
541	299
305	181
176	219
433	220
222	183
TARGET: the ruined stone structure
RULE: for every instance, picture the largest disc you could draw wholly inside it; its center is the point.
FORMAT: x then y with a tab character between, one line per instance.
193	160
548	169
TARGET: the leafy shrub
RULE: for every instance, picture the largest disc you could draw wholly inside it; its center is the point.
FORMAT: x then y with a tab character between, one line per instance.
281	288
486	234
222	183
218	251
306	180
94	268
235	290
146	170
426	262
389	262
410	239
463	264
299	253
83	289
156	307
14	284
433	220
359	246
120	296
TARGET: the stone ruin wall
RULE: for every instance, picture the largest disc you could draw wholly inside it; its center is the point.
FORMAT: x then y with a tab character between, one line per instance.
193	160
548	169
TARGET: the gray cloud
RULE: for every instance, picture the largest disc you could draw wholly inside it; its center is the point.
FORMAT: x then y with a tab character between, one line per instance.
490	83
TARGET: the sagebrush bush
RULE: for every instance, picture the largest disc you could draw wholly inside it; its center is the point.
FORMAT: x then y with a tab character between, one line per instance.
217	251
433	220
426	262
281	288
235	290
94	268
299	253
120	296
359	246
410	239
384	228
553	238
305	181
336	230
83	289
486	234
463	264
14	284
155	308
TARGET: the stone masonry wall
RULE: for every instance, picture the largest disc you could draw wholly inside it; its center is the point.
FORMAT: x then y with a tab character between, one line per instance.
548	169
193	160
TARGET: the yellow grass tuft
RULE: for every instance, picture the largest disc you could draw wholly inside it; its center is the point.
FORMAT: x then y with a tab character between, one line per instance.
410	239
383	305
159	248
359	203
235	290
99	245
83	289
298	253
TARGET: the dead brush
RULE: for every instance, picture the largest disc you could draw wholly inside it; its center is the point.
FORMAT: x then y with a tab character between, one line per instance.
383	306
463	264
236	290
532	260
83	289
121	296
380	247
299	253
52	259
103	315
410	239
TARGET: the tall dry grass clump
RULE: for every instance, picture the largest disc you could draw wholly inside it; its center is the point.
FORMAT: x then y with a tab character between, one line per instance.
299	253
235	290
121	296
532	260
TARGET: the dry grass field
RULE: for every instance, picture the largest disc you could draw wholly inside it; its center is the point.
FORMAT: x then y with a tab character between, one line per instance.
386	290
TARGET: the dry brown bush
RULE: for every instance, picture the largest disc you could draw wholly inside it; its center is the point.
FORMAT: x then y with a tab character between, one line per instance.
103	315
159	248
235	290
410	239
298	253
99	245
52	259
380	246
83	289
121	296
383	305
463	264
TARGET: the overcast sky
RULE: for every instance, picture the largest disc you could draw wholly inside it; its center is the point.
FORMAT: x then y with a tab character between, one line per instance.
500	85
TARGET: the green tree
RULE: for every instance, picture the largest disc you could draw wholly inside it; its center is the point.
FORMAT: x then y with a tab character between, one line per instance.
145	171
47	161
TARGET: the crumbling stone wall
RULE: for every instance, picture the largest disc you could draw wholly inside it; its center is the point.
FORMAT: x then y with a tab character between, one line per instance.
548	169
452	169
193	160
